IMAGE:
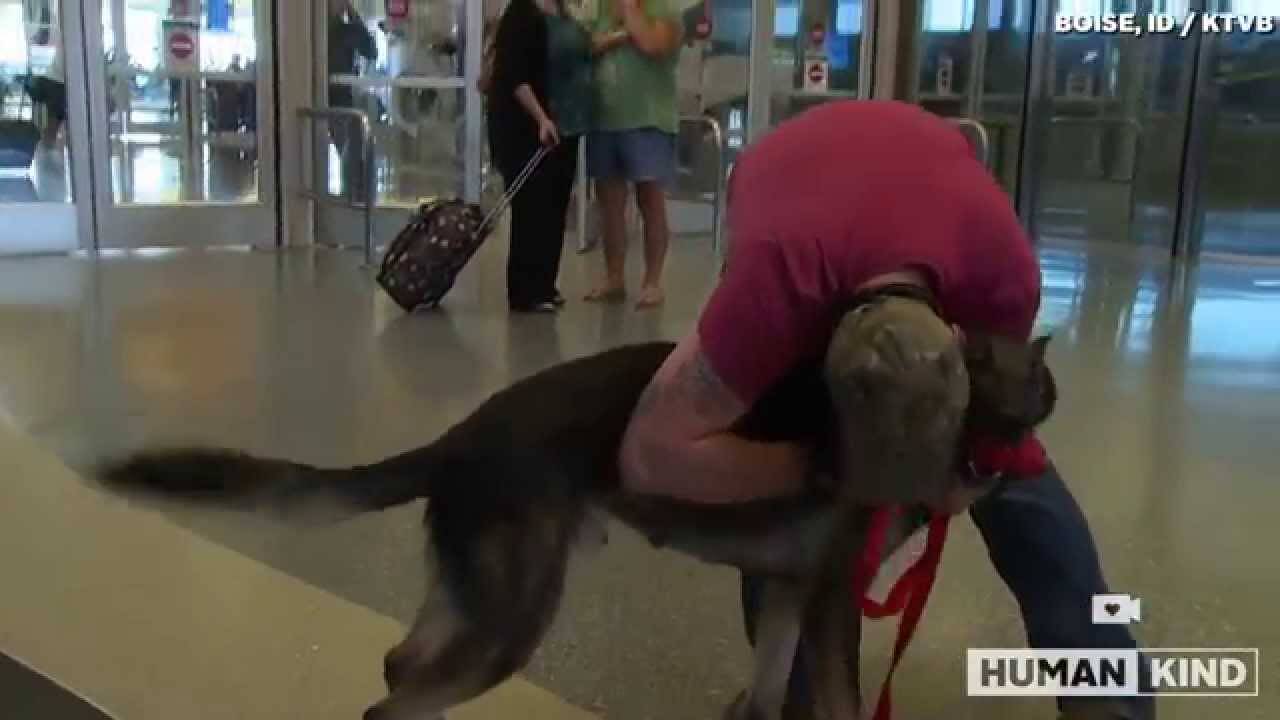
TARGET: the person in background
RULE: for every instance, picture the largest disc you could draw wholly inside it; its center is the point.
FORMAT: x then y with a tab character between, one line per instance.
540	95
635	138
349	40
50	89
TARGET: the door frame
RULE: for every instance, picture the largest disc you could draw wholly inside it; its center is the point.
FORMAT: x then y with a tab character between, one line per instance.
182	224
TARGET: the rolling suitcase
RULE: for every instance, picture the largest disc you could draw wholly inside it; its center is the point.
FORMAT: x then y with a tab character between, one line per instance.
424	259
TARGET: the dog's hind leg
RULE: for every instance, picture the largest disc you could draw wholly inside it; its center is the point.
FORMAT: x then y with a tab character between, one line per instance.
777	638
499	583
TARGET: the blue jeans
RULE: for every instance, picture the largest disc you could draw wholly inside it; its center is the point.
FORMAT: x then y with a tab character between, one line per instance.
1042	548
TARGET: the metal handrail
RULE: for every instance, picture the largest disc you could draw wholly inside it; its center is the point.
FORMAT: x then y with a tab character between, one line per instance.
983	138
717	200
365	125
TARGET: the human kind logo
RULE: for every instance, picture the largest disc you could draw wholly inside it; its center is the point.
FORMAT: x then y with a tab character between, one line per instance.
1198	672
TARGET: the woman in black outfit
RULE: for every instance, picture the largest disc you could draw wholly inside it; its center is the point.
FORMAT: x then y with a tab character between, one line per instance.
540	96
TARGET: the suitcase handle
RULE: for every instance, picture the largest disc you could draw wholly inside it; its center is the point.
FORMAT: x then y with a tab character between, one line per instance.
525	173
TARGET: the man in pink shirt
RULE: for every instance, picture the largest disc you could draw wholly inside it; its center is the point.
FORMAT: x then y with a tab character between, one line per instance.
843	199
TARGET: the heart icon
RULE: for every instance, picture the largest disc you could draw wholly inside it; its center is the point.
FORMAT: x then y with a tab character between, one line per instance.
1112	608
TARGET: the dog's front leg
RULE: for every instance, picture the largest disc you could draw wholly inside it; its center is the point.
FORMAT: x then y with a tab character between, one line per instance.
777	639
832	626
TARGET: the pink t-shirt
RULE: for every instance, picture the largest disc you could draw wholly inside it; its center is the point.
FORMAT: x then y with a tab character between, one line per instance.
842	194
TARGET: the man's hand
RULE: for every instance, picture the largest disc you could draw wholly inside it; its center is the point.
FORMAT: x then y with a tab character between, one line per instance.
679	445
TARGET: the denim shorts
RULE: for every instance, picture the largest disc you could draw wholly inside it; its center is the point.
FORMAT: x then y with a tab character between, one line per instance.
642	155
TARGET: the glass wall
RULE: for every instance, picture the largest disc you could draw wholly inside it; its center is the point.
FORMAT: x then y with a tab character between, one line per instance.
34	162
1114	133
1239	193
817	54
406	72
182	96
985	39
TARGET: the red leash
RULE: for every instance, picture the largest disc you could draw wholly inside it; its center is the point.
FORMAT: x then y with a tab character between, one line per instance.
910	594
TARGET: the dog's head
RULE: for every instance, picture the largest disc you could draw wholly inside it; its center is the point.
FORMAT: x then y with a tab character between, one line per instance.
1012	390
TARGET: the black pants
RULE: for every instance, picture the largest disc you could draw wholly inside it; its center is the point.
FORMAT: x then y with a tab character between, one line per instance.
349	143
538	216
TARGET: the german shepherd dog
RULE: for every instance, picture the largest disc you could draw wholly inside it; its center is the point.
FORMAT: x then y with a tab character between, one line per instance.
508	498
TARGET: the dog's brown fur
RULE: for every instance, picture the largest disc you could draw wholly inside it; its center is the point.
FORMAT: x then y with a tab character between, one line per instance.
510	487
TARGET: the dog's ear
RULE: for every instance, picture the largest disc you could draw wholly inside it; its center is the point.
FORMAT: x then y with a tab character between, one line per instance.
1039	348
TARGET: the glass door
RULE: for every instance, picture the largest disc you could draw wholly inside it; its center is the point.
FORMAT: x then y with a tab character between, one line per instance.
183	137
1236	142
411	66
973	60
807	52
39	127
1112	122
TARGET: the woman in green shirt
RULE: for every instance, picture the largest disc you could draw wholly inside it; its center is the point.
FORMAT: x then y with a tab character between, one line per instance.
541	94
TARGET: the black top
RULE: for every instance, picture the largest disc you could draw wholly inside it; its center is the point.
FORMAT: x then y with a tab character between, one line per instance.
520	56
349	39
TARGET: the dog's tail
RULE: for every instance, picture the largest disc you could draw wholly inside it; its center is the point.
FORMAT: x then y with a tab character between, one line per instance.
237	480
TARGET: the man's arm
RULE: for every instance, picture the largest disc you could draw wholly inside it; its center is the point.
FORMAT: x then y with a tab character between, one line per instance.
679	444
655	37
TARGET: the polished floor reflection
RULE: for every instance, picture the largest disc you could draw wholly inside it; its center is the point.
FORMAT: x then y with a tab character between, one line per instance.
1166	432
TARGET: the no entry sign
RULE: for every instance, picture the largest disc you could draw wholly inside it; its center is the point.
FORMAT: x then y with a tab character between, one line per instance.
815	76
181	47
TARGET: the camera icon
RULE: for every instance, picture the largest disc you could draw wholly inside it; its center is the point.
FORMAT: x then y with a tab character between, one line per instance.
1116	609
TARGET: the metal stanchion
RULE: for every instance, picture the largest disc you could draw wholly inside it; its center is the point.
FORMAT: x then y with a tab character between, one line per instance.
713	127
368	169
584	195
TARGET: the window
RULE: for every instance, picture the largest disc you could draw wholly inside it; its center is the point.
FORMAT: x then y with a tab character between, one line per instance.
848	17
945	16
786	20
1253	7
954	16
13	40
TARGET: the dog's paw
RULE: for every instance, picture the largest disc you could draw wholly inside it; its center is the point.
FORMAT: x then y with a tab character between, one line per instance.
743	709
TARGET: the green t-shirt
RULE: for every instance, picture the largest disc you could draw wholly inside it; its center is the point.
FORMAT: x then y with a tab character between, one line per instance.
634	90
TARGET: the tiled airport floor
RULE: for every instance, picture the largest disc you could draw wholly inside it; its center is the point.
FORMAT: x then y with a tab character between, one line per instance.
1166	432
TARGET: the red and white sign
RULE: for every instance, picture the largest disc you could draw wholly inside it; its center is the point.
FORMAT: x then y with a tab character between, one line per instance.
815	76
181	47
397	9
